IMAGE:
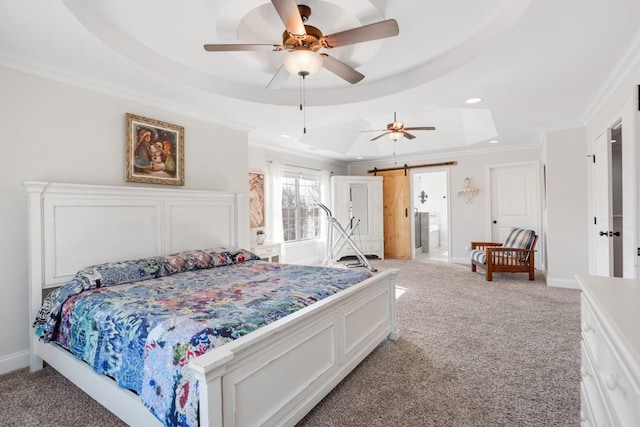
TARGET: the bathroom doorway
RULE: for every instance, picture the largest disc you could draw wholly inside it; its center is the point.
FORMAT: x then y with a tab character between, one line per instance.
431	215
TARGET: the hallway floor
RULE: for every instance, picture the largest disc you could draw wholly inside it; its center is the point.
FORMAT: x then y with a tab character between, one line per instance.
440	253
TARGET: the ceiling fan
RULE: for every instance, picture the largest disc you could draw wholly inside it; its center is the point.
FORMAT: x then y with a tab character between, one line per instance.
304	41
396	130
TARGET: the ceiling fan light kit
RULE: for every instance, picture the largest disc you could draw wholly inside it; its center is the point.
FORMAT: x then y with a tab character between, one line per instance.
394	136
299	62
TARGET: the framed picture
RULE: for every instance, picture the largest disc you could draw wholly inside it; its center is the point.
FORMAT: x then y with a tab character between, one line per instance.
154	151
256	200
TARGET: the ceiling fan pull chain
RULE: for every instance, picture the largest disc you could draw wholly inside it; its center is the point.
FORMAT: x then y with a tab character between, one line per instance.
303	102
301	90
395	161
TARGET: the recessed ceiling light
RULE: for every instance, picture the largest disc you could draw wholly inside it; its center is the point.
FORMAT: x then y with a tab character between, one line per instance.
473	100
285	135
359	158
494	141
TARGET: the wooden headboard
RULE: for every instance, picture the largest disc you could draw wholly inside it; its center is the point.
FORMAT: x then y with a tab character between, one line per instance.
72	226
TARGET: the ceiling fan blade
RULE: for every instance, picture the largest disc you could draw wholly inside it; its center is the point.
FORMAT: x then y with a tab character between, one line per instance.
374	130
341	69
375	31
288	11
240	47
278	79
421	128
408	135
380	136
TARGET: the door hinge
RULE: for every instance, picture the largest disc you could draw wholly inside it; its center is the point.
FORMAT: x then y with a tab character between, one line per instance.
595	220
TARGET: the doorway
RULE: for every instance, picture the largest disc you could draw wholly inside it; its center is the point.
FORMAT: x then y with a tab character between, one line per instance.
430	202
608	202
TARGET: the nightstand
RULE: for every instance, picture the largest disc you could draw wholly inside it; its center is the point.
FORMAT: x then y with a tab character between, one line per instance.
268	251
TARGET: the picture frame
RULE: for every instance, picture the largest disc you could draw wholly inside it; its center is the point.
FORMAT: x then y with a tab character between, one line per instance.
256	200
154	151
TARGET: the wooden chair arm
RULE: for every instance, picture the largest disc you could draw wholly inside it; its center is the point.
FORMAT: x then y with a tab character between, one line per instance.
483	245
502	248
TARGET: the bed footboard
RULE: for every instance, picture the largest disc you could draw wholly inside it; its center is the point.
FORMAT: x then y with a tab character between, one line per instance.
283	370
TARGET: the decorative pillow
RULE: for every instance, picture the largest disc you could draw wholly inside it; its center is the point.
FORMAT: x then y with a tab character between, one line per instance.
220	257
115	273
187	261
239	255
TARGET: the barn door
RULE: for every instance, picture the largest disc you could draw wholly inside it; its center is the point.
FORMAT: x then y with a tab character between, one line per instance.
397	222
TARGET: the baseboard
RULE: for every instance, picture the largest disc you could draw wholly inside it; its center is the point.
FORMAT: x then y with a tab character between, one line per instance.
14	361
562	283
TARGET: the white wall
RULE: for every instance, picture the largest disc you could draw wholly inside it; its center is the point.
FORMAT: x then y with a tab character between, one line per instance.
59	133
435	187
307	252
469	221
567	206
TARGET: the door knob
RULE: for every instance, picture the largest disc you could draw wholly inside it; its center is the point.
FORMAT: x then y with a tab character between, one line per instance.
495	222
603	233
617	233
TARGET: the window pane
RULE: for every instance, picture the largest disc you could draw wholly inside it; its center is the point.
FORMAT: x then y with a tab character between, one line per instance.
289	192
300	214
289	223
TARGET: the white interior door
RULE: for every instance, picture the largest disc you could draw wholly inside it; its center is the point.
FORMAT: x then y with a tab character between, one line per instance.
514	200
602	206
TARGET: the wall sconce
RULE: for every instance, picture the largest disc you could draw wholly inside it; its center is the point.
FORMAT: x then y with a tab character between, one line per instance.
468	192
422	197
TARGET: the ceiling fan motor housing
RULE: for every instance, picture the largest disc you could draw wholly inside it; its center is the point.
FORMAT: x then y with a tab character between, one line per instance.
308	41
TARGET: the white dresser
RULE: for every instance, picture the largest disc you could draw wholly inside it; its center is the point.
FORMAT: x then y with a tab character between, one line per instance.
610	321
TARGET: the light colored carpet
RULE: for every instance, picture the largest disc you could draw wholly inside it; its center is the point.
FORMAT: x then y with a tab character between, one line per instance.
471	353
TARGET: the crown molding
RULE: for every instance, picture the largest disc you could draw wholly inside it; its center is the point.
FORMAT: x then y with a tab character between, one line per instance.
445	154
629	61
101	86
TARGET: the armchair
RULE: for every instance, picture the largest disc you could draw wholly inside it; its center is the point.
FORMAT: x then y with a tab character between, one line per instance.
515	255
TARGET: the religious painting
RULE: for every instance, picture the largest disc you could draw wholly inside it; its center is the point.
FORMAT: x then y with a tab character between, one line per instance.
154	151
256	200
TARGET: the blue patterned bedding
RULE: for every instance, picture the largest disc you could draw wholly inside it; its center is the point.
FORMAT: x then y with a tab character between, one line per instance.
143	333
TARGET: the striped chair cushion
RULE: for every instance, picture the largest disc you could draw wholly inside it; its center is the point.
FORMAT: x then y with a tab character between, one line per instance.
520	238
480	256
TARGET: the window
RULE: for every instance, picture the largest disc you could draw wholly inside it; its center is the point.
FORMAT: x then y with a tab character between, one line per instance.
300	212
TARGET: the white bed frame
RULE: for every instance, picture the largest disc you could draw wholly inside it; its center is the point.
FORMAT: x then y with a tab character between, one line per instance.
272	376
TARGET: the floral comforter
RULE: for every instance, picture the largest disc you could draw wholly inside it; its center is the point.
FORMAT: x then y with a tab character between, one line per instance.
143	333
